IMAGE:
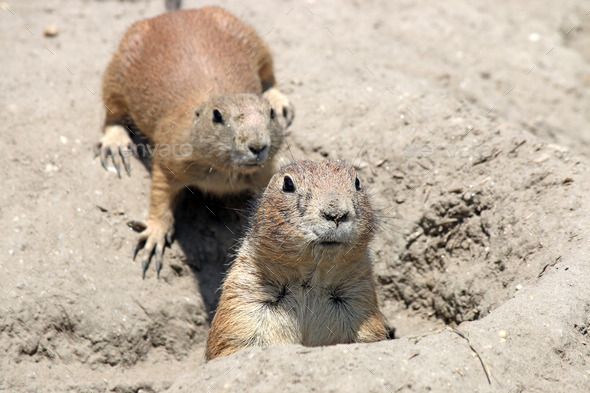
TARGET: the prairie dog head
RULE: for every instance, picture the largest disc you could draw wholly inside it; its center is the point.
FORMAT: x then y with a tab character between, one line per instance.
237	132
314	210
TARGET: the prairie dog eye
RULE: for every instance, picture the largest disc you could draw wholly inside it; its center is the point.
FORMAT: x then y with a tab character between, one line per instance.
357	184
272	113
288	185
217	118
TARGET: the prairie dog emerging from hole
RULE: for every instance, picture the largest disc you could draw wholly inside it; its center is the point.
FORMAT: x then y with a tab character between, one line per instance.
303	274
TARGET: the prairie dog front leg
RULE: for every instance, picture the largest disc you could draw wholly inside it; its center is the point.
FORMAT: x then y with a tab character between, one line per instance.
160	226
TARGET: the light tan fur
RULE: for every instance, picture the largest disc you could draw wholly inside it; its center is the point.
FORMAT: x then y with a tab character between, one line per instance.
169	77
303	274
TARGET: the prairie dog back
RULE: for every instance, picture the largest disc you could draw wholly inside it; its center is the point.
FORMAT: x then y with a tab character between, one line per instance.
174	62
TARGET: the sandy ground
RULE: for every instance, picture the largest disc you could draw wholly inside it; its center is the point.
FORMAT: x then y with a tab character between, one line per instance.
471	127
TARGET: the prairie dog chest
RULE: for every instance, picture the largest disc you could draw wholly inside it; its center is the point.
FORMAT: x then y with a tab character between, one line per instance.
311	314
211	181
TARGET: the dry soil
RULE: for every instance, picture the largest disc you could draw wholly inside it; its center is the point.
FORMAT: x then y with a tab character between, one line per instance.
469	123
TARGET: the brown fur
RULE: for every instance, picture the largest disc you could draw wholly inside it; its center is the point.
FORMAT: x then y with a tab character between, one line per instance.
285	286
168	77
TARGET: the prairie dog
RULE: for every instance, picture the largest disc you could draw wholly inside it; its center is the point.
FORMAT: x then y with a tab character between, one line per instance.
303	274
200	85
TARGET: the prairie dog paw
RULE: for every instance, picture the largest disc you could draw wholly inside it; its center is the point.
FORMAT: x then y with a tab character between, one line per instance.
116	144
281	105
153	237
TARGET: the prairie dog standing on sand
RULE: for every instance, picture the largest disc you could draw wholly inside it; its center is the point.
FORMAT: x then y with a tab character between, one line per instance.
200	85
302	274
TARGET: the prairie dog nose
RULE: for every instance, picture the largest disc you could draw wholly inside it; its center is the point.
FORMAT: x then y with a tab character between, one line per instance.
259	149
337	217
336	210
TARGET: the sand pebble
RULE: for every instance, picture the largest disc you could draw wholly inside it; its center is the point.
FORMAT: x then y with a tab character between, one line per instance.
63	139
50	31
381	162
518	287
51	168
541	158
534	37
502	334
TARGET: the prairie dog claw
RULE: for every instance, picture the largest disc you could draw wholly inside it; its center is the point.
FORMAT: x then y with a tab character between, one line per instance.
281	105
153	237
116	144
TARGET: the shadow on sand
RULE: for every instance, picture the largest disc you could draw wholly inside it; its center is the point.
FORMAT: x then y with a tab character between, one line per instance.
207	230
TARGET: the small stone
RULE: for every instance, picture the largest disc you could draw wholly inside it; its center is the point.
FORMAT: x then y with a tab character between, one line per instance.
541	158
534	37
518	287
502	334
50	31
51	168
63	139
380	162
361	165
